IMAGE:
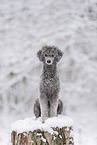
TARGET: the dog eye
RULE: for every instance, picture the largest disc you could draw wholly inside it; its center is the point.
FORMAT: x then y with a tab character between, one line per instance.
46	55
52	55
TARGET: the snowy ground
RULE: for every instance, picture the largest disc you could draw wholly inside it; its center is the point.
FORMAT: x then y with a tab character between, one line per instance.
72	26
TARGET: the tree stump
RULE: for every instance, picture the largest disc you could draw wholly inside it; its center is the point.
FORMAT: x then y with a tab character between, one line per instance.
55	131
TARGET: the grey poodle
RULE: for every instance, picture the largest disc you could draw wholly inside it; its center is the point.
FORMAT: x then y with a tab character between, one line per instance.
48	104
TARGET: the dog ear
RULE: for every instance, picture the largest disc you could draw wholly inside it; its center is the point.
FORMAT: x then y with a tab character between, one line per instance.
59	55
40	55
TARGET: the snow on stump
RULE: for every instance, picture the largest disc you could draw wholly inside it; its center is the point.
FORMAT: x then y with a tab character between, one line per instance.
55	131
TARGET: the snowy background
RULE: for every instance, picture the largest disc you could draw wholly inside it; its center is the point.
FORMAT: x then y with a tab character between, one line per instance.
25	26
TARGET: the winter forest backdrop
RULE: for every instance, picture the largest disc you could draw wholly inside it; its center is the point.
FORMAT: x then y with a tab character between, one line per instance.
25	26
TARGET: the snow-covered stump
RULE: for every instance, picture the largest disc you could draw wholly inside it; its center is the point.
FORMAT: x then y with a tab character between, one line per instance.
55	131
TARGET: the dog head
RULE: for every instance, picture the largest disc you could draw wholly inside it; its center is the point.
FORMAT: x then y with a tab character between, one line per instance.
49	54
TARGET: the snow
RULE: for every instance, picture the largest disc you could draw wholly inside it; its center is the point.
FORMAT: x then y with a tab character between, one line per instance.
43	139
25	26
31	124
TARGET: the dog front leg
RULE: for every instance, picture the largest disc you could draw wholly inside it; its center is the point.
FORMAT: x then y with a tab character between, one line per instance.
44	108
53	108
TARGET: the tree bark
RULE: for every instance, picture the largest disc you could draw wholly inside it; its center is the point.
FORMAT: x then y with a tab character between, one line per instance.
60	136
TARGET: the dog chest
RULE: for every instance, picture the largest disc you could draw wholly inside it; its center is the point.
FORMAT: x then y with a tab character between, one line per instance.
50	86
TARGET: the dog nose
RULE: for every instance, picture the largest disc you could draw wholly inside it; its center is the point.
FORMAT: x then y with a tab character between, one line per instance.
48	61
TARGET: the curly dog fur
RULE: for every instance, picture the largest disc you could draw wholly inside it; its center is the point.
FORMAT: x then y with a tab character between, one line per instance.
48	104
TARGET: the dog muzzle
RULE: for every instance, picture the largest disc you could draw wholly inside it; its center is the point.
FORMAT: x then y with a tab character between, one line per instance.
49	61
